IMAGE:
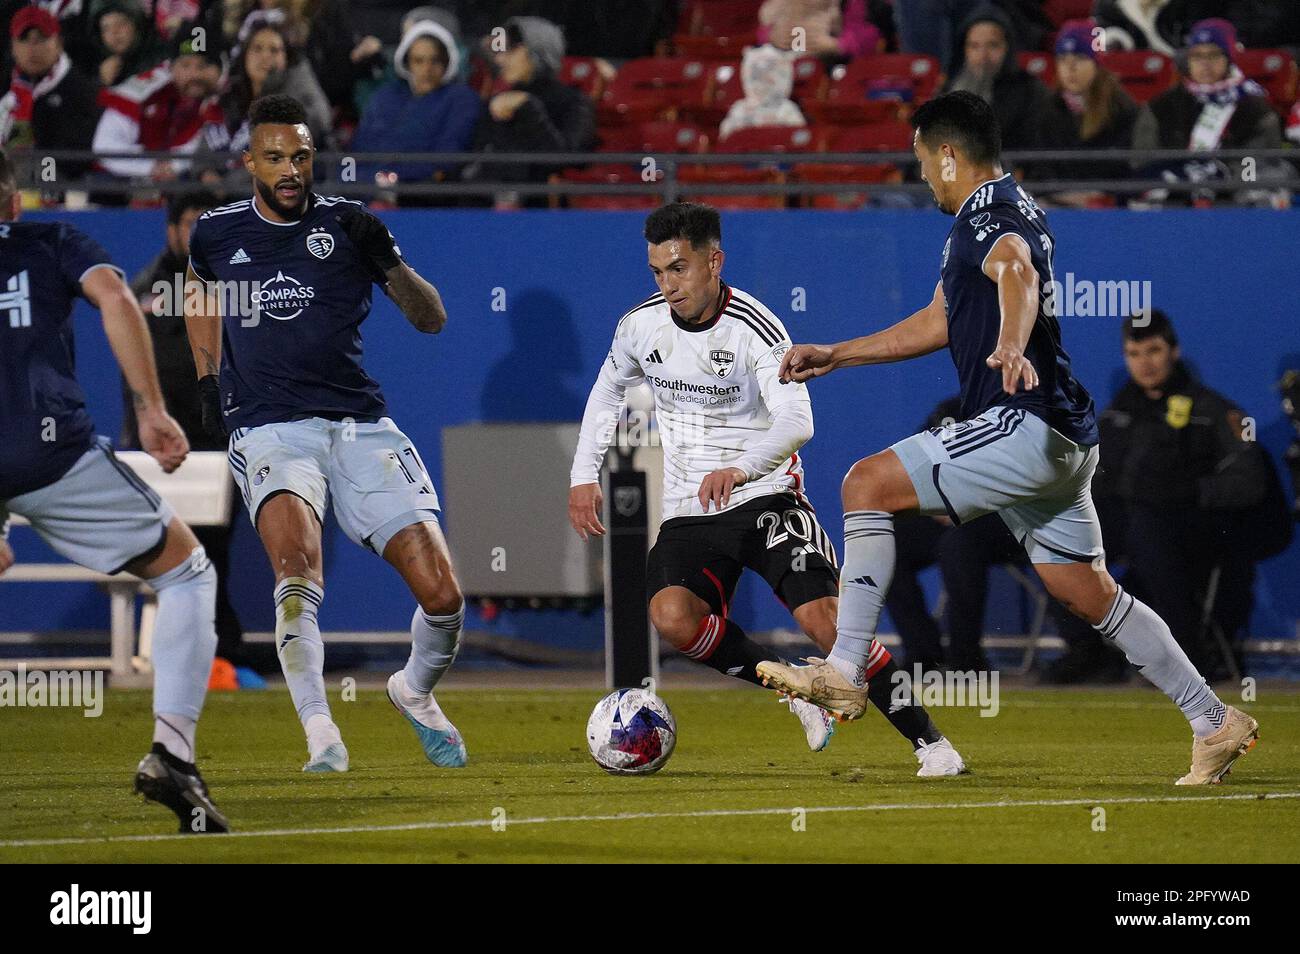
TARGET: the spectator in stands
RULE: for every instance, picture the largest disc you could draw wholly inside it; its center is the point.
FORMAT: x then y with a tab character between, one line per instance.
127	45
176	374
1214	107
172	107
767	77
984	63
536	113
426	109
323	31
819	27
170	15
1161	24
1179	490
1088	110
73	19
263	63
49	103
933	26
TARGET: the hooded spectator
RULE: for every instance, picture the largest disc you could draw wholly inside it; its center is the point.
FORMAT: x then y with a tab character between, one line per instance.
767	77
425	109
49	103
826	29
126	43
984	63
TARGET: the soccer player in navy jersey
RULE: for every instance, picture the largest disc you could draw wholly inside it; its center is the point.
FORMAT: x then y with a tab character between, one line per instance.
1026	447
277	346
85	503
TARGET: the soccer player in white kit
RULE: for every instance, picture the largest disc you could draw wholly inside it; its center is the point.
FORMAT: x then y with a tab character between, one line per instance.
733	478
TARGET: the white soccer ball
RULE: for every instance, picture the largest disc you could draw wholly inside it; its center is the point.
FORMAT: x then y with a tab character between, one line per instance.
631	732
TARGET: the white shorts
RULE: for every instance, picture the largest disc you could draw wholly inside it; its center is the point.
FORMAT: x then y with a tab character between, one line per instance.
372	471
100	514
1010	461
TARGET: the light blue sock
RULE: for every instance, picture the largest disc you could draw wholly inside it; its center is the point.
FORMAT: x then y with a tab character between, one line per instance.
434	642
865	576
1149	645
184	642
298	643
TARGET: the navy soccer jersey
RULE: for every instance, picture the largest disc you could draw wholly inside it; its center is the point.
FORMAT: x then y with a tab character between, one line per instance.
44	427
290	347
994	210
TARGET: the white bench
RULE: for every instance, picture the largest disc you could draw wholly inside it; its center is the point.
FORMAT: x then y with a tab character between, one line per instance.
201	492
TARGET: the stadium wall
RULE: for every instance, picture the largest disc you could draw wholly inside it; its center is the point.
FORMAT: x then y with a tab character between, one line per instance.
1228	278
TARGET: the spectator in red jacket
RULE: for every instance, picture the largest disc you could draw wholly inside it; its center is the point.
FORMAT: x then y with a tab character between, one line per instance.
172	107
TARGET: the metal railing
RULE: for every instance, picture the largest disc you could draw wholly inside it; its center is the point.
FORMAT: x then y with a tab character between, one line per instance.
36	171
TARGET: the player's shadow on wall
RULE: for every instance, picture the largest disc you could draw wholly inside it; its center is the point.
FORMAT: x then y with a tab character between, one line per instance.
537	379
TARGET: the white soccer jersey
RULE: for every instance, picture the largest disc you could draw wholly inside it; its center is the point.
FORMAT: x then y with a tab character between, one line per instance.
718	401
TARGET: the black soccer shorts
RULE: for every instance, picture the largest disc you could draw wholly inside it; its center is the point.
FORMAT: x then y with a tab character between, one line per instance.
777	536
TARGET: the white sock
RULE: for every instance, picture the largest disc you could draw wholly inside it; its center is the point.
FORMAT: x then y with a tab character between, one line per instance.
184	636
865	576
298	643
321	733
1149	645
176	733
434	642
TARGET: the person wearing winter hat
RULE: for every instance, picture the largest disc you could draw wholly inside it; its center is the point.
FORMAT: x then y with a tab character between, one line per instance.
535	112
49	104
122	36
425	109
1088	109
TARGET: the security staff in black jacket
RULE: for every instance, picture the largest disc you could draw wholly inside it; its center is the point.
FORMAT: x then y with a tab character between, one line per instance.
1177	473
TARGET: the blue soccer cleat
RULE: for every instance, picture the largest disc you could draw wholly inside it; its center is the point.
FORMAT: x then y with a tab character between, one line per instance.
441	742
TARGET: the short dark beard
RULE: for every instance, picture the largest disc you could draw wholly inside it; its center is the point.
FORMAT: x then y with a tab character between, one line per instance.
291	212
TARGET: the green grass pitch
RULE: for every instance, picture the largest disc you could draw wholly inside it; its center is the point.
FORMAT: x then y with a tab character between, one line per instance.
1040	768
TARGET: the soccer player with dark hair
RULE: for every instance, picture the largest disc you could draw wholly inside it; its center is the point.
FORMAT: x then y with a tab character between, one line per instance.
733	478
84	502
1026	449
281	369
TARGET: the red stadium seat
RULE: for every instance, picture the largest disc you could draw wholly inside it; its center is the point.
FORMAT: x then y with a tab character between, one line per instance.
1274	70
588	74
891	136
841	172
606	174
1041	66
873	77
657	85
769	139
710	47
851	113
1058	11
660	137
720	17
1145	73
703	177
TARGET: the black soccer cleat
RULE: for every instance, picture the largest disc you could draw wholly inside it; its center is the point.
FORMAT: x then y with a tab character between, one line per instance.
163	778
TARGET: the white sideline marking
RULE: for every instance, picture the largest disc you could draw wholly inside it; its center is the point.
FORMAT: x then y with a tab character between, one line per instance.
642	816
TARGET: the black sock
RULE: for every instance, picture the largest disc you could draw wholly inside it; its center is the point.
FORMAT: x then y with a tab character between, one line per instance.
722	645
911	720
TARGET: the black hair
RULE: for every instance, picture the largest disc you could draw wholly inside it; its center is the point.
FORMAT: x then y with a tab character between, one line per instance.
963	119
1154	325
278	110
183	202
699	224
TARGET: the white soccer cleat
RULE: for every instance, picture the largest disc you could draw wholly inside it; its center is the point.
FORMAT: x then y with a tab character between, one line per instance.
939	760
819	683
818	726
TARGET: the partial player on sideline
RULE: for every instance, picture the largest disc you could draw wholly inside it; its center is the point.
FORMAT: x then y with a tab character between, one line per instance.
281	370
85	503
733	478
1026	453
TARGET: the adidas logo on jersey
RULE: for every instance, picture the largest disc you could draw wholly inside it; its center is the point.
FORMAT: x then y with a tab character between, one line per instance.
653	357
240	258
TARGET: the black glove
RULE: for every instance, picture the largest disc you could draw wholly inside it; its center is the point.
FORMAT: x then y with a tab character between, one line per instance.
210	406
371	237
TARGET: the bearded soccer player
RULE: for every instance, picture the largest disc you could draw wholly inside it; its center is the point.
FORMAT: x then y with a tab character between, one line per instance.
281	371
733	478
1026	448
84	502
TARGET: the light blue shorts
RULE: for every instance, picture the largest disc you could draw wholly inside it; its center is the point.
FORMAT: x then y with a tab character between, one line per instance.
372	471
100	514
1009	461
